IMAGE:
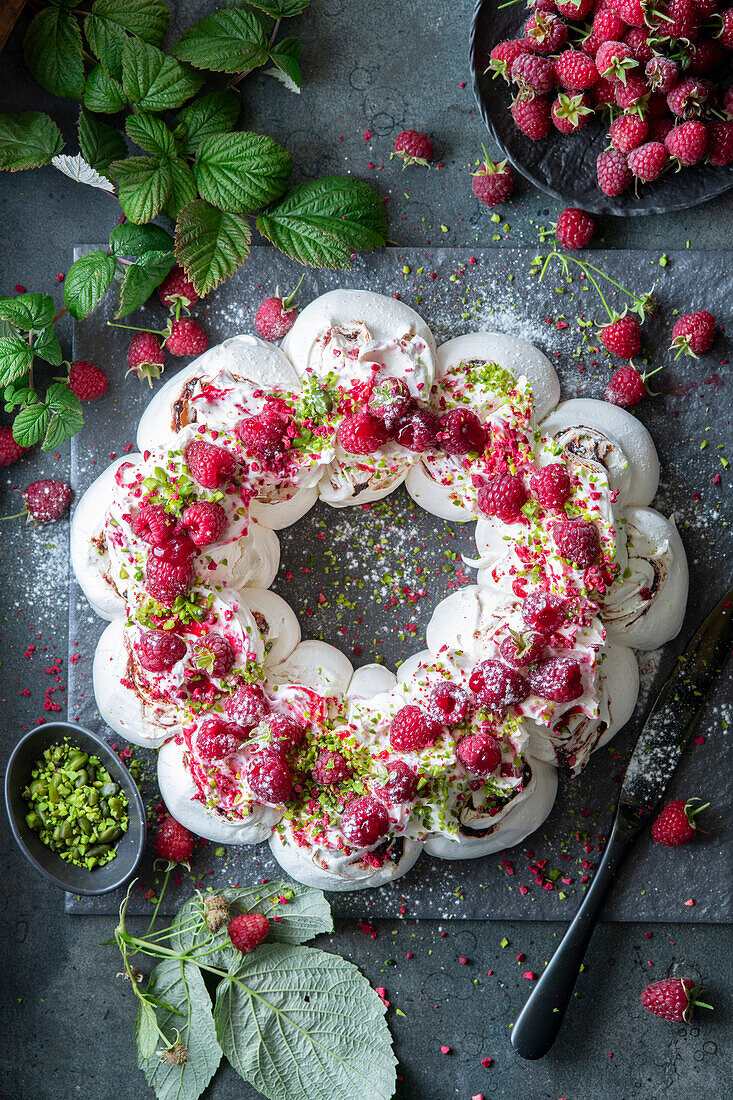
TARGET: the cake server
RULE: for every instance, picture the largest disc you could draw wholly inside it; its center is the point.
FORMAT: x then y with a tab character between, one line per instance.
653	762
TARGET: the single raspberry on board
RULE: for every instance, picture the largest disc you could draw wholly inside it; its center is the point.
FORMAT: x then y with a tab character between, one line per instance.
672	999
622	336
413	147
575	228
46	500
493	181
479	753
210	465
159	650
86	380
145	356
676	823
173	842
275	317
10	451
247	931
625	387
578	541
503	496
694	333
364	821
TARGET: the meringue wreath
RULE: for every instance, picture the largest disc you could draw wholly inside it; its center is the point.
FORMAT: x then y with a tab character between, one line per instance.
351	774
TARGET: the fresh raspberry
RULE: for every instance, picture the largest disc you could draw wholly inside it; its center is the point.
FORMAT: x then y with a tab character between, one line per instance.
578	541
145	356
546	31
615	59
493	182
401	785
622	336
153	524
551	485
169	570
177	292
659	128
479	753
10	451
265	435
286	734
638	41
603	93
205	521
633	93
590	45
186	337
662	73
690	98
502	56
330	768
574	9
533	75
676	824
628	132
694	333
87	381
449	704
706	8
632	12
686	142
725	36
389	400
575	228
362	434
418	431
544	612
625	387
720	143
412	147
612	169
46	500
520	650
215	654
411	730
210	465
247	706
497	686
532	117
461	431
680	23
705	56
247	931
672	999
269	778
364	821
173	842
159	650
275	317
574	71
557	678
608	26
216	740
503	496
570	113
728	101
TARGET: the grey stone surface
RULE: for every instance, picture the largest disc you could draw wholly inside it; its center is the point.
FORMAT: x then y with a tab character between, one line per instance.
66	1020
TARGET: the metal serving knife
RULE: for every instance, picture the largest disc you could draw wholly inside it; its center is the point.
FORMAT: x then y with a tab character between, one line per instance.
654	759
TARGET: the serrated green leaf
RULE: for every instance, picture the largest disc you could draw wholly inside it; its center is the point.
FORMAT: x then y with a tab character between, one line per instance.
28	311
307	1024
210	244
142	186
152	80
103	94
88	280
15	394
16	357
60	398
242	172
99	143
281	9
151	134
110	22
28	139
133	240
181	986
141	279
30	424
47	347
146	1033
211	114
53	52
286	55
183	188
226	42
323	222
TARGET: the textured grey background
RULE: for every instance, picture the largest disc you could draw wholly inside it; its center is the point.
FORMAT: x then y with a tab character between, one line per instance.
67	1022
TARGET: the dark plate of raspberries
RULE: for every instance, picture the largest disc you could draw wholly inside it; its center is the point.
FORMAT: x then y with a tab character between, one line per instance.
615	106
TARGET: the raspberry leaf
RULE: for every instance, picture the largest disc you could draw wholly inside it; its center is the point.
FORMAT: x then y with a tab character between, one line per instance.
242	172
143	184
66	416
52	49
110	22
103	94
320	1026
47	347
141	279
151	134
286	55
133	240
323	222
226	42
16	357
183	188
216	113
28	311
152	80
28	139
99	142
88	280
281	9
30	424
210	244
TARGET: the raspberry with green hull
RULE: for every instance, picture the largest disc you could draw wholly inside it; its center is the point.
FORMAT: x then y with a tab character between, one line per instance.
673	999
413	147
503	55
547	32
145	357
676	823
493	181
615	59
570	113
694	333
177	291
276	315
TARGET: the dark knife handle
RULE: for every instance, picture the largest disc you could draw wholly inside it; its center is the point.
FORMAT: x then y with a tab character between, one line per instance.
541	1018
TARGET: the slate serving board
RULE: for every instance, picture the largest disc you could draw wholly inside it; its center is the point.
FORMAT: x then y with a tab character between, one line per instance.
367	580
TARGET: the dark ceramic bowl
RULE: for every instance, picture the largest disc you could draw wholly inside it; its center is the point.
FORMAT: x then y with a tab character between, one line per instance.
565	165
77	880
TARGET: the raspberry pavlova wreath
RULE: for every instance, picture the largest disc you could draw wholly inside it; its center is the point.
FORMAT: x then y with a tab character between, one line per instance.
351	774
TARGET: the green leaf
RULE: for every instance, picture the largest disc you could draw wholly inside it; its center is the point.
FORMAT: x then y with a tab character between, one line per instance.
30	424
142	185
242	171
323	222
286	55
67	418
53	52
211	114
28	139
154	81
88	280
46	345
103	94
133	240
141	279
226	42
183	188
16	357
281	9
99	143
151	134
146	1033
210	244
181	987
28	311
307	1024
110	22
